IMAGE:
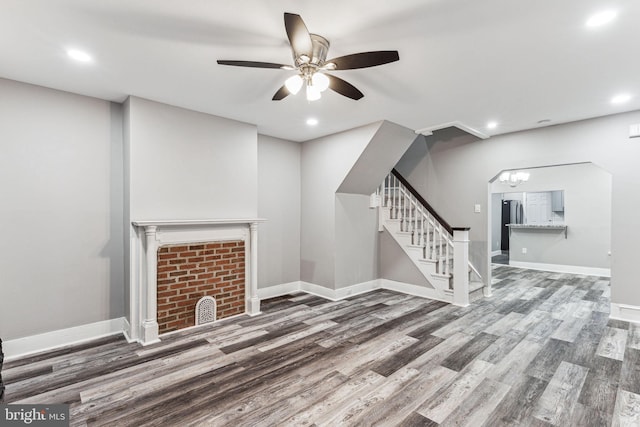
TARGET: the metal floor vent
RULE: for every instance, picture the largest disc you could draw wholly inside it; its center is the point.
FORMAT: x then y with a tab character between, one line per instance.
205	310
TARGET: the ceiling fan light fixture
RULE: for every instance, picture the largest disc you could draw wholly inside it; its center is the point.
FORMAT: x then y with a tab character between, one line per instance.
294	84
313	94
320	81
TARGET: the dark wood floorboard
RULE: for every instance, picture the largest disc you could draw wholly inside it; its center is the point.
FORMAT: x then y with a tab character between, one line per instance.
541	351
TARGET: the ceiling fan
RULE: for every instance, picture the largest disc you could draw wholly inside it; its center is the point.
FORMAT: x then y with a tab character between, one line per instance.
310	61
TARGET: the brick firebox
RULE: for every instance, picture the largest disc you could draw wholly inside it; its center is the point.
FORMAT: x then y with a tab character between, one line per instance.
187	272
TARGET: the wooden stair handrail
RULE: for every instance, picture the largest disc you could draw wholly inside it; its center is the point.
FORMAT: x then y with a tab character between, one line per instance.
421	199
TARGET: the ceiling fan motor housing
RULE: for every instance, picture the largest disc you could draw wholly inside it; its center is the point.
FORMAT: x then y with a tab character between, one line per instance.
318	54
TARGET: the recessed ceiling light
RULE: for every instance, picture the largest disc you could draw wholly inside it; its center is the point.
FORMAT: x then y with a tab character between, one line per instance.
492	125
312	121
601	18
79	55
620	99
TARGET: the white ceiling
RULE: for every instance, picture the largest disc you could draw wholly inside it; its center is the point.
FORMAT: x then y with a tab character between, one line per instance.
512	61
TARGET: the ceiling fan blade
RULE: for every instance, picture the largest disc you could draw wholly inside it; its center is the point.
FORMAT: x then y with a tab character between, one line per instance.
253	64
298	35
280	94
344	88
364	59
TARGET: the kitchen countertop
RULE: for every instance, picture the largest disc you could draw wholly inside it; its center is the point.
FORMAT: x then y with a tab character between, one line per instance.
552	226
538	227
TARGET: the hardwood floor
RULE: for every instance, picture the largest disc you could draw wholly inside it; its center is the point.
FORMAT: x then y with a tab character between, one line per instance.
542	351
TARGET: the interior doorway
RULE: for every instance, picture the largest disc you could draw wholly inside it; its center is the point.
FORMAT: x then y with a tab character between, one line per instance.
558	220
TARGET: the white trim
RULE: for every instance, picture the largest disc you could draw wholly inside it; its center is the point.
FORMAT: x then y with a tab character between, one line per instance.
21	347
188	222
317	290
349	291
496	253
126	330
279	290
409	289
428	131
357	289
559	268
628	313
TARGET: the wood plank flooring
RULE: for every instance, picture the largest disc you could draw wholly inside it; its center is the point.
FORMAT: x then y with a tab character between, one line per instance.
540	352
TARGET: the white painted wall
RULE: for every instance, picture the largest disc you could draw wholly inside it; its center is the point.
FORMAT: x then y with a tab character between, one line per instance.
454	175
190	165
279	204
61	252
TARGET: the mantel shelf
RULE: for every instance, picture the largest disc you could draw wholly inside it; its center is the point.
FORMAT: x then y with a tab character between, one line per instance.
189	222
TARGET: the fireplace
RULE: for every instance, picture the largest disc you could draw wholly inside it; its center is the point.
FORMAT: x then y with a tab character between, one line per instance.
174	263
186	273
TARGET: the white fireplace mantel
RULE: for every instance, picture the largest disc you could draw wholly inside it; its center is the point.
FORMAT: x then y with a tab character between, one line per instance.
151	234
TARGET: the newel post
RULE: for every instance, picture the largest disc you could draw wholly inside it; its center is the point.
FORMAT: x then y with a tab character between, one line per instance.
150	323
461	266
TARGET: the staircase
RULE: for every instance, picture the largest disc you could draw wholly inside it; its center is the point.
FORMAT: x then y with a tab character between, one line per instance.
439	251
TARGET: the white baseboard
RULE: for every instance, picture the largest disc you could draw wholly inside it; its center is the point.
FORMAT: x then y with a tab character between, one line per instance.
349	291
279	290
21	347
496	253
126	330
628	313
409	289
559	268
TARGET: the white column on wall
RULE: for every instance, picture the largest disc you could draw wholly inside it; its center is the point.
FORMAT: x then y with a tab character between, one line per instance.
253	302
150	324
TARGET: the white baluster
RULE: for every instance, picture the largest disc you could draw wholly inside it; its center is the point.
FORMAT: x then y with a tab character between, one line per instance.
446	265
393	198
411	227
427	238
440	247
383	201
421	227
401	208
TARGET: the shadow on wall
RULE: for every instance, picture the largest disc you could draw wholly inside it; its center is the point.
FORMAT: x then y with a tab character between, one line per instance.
114	248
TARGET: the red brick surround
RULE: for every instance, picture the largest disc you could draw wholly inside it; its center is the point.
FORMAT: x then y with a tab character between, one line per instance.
188	272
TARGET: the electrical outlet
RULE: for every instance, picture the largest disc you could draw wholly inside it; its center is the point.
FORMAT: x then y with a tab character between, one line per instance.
476	208
524	250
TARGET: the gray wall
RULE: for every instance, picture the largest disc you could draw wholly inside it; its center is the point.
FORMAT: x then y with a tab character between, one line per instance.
183	164
61	252
587	199
394	264
356	240
325	163
338	230
455	174
496	222
279	204
190	165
